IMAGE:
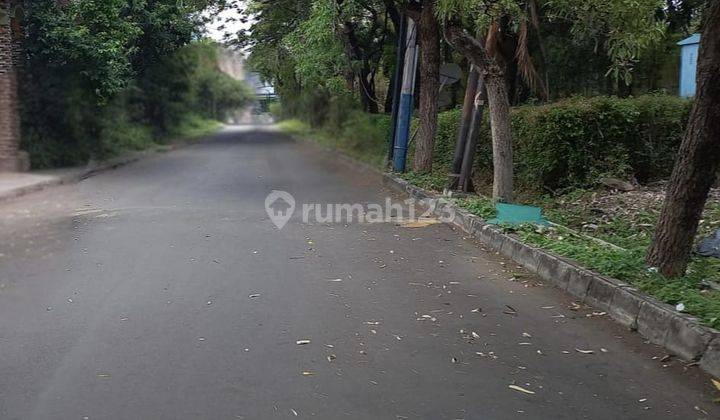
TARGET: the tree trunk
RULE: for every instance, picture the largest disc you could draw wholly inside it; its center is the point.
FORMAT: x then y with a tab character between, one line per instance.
501	137
429	31
389	96
497	102
367	90
697	163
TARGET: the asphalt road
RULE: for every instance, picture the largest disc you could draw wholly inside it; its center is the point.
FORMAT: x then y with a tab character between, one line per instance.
161	290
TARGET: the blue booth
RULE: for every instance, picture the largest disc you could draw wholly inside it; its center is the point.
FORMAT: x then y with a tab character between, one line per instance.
688	64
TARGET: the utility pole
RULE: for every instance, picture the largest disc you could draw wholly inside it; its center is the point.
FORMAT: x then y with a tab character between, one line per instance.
405	108
465	181
471	91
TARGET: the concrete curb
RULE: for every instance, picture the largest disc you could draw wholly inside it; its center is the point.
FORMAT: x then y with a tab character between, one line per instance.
658	322
71	177
74	175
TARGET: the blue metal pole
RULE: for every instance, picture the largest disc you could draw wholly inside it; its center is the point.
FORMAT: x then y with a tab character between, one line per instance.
397	85
402	132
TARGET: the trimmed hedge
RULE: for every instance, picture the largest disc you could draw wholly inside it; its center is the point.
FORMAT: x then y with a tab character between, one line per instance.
572	143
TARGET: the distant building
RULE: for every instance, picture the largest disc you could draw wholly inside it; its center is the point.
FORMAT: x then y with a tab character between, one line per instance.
688	64
263	90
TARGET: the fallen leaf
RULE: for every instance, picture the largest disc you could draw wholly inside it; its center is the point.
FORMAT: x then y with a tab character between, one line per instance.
510	310
716	383
520	389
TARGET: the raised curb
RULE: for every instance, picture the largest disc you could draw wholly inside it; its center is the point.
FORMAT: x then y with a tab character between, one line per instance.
74	175
658	322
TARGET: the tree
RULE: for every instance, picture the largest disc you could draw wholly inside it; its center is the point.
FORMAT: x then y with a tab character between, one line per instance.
625	26
697	163
429	31
499	105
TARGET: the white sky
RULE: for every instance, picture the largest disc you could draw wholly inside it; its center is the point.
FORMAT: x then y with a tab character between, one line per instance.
230	27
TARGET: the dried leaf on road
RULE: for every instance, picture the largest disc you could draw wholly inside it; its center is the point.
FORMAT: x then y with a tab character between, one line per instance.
715	383
520	389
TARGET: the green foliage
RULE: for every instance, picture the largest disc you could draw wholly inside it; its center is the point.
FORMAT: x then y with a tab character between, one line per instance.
361	135
625	27
571	143
432	181
318	53
106	76
89	38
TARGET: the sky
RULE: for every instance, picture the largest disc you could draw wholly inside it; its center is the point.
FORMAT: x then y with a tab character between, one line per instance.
230	27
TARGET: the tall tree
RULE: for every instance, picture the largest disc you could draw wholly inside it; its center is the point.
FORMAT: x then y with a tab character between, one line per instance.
625	26
498	101
697	163
429	31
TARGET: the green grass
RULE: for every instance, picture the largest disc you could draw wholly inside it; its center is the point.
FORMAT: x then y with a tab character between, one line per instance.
358	139
628	264
434	181
193	127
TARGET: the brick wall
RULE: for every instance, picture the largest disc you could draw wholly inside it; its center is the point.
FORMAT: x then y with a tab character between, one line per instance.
11	158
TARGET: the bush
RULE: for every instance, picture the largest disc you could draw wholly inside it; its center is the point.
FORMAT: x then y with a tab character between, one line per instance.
367	134
571	143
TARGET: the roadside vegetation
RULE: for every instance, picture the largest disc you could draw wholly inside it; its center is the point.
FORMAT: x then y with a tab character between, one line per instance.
101	78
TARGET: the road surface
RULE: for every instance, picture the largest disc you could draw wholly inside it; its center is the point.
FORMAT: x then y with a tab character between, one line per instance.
161	290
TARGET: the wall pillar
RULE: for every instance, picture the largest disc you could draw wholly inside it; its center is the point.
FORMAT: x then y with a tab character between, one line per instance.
12	159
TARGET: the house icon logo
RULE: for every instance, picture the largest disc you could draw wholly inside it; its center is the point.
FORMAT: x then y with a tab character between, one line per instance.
280	206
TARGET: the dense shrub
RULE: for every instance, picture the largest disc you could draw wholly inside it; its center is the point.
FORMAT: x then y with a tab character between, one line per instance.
571	143
574	142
